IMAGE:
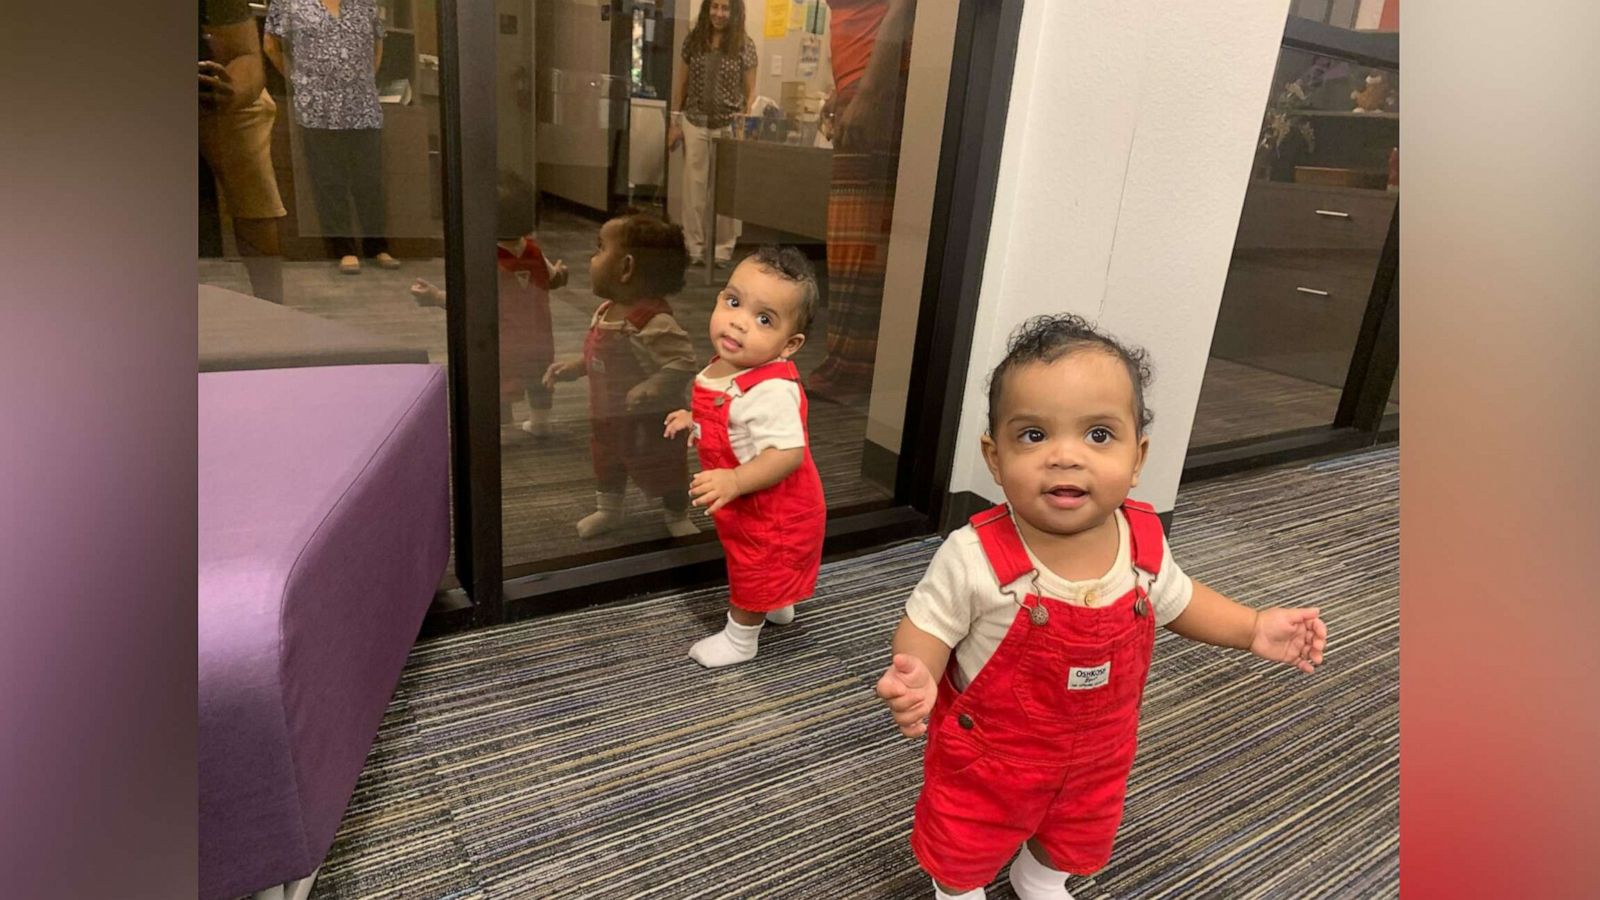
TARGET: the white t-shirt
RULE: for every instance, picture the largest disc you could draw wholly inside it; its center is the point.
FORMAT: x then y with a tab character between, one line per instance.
768	417
959	601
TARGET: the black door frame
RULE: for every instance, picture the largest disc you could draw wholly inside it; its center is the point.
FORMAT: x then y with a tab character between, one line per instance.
1360	420
969	162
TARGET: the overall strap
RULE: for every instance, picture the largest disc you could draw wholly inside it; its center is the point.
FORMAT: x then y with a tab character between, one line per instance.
778	368
645	310
1144	532
1002	545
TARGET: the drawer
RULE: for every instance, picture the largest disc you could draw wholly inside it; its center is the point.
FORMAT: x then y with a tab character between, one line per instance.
1281	216
1295	319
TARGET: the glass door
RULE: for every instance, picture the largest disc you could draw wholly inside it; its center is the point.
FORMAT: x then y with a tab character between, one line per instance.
1312	275
717	122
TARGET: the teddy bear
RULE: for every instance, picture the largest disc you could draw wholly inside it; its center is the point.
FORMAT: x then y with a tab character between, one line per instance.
1375	96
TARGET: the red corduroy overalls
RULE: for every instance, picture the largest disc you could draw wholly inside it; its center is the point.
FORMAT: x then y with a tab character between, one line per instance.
772	538
629	444
1041	742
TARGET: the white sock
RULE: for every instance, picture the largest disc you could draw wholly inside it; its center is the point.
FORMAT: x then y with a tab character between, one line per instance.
607	515
537	423
1033	880
679	524
974	894
781	616
735	643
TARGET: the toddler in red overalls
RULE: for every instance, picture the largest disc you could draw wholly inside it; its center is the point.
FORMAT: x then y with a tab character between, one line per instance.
757	478
526	278
639	362
1049	603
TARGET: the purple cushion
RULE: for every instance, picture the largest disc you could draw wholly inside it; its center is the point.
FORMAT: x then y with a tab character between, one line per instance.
324	531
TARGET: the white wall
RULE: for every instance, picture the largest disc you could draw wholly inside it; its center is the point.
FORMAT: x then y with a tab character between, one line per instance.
1127	150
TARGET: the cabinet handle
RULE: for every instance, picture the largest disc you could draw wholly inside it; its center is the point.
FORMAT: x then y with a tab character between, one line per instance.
1333	214
1312	291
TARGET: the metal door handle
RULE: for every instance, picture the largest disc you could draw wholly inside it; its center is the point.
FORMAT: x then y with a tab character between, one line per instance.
1313	291
1333	213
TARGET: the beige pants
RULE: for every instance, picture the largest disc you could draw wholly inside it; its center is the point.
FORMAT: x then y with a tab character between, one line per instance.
696	169
238	147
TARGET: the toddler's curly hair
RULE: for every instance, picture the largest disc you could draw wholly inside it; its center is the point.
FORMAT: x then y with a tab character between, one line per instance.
1047	338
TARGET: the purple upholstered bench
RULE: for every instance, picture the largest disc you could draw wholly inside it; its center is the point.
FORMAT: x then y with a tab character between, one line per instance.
324	531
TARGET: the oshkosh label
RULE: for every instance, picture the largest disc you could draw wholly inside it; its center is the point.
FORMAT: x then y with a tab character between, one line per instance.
1084	678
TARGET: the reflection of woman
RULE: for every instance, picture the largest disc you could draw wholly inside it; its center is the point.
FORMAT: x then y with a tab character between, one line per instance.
870	42
716	82
333	49
236	115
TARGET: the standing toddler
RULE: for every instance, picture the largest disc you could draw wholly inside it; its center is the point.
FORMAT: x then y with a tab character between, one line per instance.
1048	604
757	478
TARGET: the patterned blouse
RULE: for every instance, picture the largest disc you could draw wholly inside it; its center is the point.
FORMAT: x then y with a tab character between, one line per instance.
330	61
714	90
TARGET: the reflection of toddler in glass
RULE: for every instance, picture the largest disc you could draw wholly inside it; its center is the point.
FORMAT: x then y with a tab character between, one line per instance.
757	477
526	279
639	361
1049	604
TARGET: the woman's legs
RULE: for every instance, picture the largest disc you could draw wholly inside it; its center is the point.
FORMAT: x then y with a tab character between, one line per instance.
364	161
326	164
696	172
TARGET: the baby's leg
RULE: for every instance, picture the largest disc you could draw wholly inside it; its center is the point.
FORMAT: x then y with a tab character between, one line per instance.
674	477
735	643
611	481
539	401
1034	878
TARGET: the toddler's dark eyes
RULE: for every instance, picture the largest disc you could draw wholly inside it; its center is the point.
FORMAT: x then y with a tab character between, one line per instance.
764	319
1031	435
1100	436
733	302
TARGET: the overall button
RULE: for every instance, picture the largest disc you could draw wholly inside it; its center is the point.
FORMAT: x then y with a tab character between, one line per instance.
720	400
1141	607
965	721
1039	615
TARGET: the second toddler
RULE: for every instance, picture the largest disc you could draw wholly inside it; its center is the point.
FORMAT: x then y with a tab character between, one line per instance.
757	478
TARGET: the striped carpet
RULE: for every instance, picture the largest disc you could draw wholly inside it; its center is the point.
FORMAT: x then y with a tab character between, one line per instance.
584	755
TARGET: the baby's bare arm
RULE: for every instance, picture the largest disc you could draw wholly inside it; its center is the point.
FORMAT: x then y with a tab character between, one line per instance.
1296	636
910	685
913	641
1215	619
768	468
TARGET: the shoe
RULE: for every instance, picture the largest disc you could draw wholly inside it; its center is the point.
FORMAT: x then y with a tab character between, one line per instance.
697	262
387	261
724	263
350	265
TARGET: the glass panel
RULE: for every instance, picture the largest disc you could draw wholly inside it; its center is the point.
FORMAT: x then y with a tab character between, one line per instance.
623	116
319	192
1316	215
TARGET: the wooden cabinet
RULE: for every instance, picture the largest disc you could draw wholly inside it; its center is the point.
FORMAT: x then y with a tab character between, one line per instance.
1302	272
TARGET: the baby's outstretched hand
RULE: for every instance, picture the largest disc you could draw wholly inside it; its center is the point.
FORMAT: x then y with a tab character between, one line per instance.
679	421
909	689
1293	636
425	293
